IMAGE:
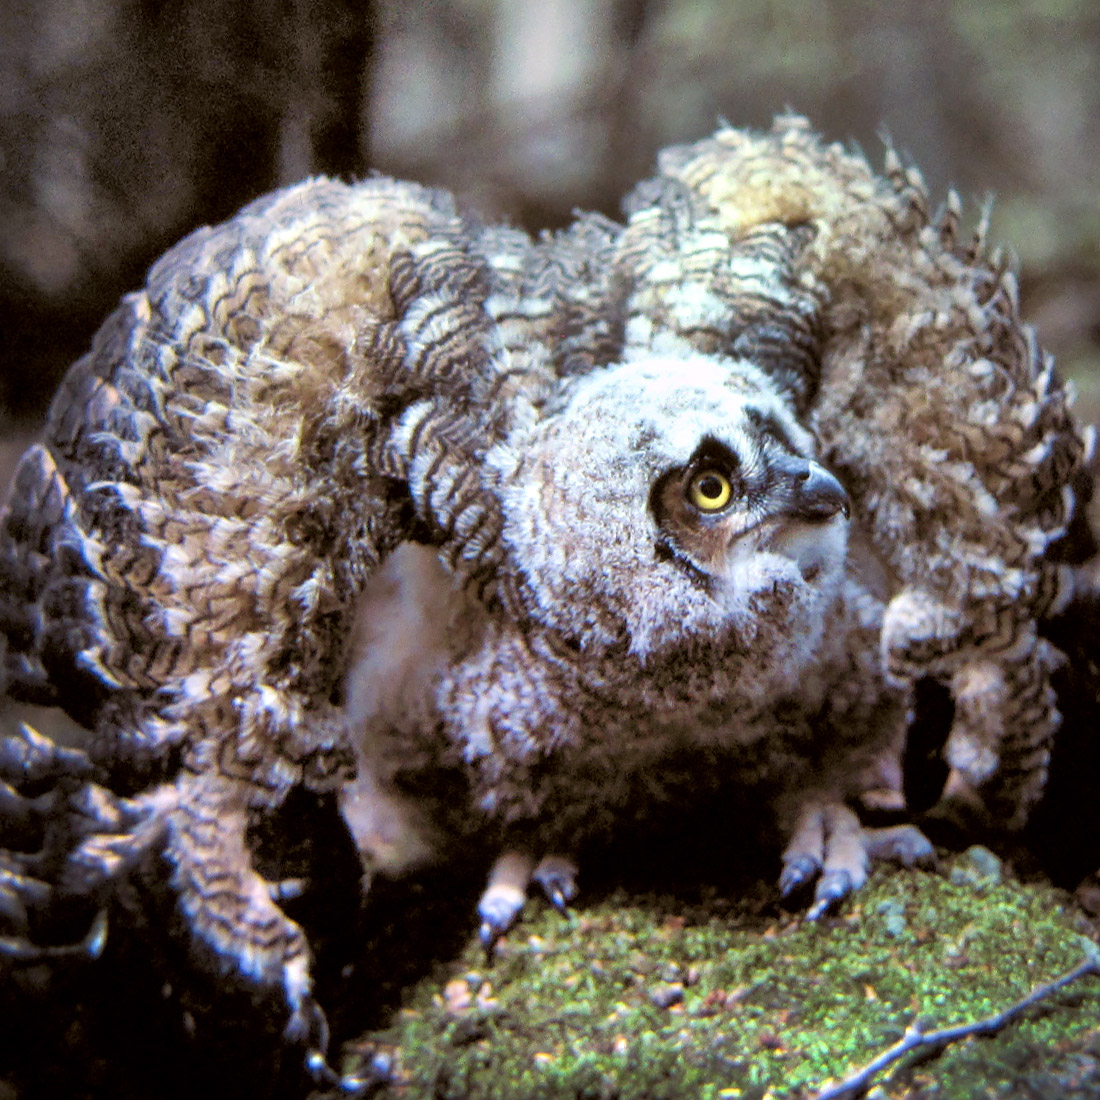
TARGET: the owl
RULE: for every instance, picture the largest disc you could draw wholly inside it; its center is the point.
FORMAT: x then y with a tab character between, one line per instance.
492	540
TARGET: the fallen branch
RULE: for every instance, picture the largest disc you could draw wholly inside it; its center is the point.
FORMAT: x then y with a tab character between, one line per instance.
916	1039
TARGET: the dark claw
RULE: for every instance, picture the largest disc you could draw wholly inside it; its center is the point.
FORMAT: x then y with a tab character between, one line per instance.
96	939
379	1073
498	913
309	1026
796	874
831	888
818	910
559	887
489	935
312	1019
318	1068
558	900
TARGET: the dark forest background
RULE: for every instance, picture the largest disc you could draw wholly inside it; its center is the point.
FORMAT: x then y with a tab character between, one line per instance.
126	123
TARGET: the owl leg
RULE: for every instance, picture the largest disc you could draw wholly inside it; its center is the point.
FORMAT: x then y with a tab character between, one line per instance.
229	907
1006	717
506	892
233	913
557	877
830	844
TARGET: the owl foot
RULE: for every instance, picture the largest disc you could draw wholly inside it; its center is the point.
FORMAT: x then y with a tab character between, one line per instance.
904	844
830	845
315	1038
506	892
233	911
557	877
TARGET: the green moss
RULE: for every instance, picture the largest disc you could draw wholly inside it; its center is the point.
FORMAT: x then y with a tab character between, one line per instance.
573	1008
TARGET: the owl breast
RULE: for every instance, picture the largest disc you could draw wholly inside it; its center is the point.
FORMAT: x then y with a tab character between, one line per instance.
675	556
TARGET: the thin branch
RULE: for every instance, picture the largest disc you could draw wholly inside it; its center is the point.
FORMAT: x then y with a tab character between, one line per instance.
916	1039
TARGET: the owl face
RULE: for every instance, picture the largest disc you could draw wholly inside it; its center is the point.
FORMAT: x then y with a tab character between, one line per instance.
661	500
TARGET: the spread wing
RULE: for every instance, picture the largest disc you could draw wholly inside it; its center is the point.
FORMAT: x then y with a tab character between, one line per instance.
205	501
933	401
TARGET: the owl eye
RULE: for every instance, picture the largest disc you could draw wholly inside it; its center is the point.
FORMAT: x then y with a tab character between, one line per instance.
709	490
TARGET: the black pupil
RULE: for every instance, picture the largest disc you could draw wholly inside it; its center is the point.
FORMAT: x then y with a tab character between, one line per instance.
709	486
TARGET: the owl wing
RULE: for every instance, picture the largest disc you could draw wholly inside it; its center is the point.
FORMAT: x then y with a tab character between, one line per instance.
900	340
180	554
187	485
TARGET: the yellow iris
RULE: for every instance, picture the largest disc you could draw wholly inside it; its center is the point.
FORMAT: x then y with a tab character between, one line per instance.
710	490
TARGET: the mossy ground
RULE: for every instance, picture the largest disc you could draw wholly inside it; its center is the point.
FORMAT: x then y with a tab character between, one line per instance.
646	996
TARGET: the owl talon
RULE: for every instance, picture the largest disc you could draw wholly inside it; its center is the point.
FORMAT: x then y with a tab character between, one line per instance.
379	1072
557	877
93	943
488	935
496	918
796	873
834	885
830	844
506	892
309	1026
504	896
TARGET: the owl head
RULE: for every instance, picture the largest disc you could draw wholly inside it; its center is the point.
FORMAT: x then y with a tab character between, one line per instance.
661	501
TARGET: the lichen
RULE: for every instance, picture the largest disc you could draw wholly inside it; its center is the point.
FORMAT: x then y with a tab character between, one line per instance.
646	997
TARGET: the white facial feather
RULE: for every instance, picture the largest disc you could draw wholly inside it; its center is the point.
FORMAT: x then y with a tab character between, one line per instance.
577	488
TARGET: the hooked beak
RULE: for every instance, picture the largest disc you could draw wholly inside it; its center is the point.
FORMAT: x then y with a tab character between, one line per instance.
811	492
818	495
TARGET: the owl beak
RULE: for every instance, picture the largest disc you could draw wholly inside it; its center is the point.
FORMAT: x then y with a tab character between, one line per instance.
815	494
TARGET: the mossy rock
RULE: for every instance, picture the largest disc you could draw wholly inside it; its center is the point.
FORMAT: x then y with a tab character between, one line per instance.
652	997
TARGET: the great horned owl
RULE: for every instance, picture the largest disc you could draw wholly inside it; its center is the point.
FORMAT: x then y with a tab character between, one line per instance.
494	537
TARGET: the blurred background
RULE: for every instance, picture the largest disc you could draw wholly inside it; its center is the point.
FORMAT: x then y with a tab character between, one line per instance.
126	123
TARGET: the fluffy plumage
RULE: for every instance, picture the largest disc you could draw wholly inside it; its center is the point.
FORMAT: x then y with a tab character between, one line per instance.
360	496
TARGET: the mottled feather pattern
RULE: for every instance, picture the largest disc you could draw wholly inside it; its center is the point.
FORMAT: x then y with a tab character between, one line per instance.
723	482
974	426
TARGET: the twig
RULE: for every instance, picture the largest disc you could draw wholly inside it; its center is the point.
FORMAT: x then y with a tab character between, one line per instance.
916	1039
